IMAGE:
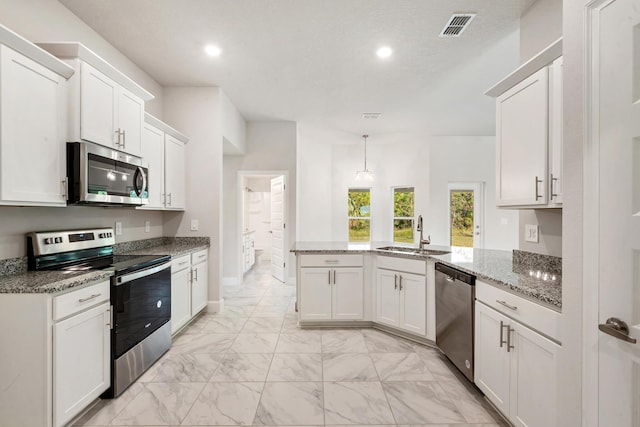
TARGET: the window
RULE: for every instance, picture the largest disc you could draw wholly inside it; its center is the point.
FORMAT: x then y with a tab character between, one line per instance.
359	214
403	214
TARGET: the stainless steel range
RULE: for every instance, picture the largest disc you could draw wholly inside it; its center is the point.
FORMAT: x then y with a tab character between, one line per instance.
140	295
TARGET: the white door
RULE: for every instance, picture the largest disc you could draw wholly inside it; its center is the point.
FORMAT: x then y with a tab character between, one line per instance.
613	212
388	297
466	221
98	94
278	226
174	173
315	286
413	303
153	153
180	299
348	294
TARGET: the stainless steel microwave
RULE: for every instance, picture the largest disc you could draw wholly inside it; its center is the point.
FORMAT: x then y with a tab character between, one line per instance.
105	177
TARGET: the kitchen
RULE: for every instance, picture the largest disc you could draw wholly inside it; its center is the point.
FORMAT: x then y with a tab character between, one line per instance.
190	110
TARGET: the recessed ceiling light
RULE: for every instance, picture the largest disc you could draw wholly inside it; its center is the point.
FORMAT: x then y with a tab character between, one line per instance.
212	50
384	52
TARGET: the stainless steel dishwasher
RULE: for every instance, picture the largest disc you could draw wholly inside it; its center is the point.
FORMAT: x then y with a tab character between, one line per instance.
455	295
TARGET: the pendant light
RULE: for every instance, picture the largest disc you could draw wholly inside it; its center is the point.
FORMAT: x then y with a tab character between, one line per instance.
366	174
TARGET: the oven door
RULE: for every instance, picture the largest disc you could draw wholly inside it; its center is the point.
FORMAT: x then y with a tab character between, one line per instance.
141	304
101	175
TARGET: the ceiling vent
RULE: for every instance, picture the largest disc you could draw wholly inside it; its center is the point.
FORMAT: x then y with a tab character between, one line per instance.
457	24
371	115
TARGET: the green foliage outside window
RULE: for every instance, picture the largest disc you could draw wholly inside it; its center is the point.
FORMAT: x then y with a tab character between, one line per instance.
359	215
461	218
403	212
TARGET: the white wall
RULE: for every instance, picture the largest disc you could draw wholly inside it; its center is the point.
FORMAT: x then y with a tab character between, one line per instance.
540	25
271	146
467	159
233	127
196	112
50	21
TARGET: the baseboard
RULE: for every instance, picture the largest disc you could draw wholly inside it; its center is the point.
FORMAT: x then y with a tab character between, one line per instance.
215	306
230	281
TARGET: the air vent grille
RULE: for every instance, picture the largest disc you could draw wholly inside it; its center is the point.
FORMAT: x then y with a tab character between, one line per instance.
457	24
371	115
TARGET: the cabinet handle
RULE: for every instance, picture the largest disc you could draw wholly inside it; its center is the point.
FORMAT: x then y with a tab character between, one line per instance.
400	280
538	195
504	303
395	281
334	276
331	261
551	181
124	138
169	199
509	346
196	271
329	281
202	256
183	263
65	188
111	317
502	326
89	298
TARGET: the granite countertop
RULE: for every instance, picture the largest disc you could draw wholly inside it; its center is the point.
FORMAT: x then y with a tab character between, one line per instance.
531	276
49	282
173	249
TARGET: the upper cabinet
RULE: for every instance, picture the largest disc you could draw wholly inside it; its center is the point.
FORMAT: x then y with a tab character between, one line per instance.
163	148
106	107
33	114
529	133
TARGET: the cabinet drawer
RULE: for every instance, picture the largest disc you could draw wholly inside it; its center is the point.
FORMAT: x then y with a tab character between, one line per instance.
329	260
402	264
180	263
527	312
75	301
199	256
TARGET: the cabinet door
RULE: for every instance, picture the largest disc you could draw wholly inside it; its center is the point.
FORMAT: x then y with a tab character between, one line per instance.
32	132
521	142
315	294
174	173
348	294
180	299
81	361
130	121
491	360
98	95
199	287
555	133
387	297
533	378
413	303
153	153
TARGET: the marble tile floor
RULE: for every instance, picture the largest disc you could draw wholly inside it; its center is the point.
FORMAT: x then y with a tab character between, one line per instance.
251	365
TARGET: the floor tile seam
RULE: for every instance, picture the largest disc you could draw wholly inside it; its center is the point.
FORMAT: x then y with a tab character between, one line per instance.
193	403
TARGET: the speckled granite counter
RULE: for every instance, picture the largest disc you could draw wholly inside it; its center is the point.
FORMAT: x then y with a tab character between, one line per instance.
174	246
532	276
173	249
48	282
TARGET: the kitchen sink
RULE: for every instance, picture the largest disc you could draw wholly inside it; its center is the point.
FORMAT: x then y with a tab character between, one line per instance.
405	250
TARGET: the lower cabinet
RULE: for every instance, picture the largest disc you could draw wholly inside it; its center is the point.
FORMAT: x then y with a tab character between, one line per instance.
402	296
189	288
331	293
515	368
248	251
58	359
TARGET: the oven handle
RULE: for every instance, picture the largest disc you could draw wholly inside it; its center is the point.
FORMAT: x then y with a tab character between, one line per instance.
120	280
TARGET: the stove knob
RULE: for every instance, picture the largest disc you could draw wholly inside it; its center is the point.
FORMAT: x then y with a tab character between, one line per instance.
58	240
101	235
48	241
110	234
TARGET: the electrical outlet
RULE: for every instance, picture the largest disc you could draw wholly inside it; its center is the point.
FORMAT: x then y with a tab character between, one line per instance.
147	226
194	225
118	228
531	233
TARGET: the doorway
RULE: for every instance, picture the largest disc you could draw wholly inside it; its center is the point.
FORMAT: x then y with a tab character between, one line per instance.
262	222
465	215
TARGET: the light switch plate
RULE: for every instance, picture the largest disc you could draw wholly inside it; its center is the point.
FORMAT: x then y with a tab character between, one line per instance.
118	228
147	226
531	233
194	225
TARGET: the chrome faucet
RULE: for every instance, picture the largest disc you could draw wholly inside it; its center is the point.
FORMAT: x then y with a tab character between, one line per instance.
419	228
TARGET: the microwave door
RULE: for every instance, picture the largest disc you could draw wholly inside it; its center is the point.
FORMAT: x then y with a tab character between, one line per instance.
131	182
101	173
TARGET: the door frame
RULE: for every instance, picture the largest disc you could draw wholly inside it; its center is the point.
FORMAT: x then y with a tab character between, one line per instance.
478	207
591	216
242	175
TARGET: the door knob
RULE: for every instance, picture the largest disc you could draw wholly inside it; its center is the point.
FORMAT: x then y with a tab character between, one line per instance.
617	328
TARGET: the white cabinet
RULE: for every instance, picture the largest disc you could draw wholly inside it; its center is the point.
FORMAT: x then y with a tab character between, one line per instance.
248	250
529	133
401	297
33	114
515	366
331	293
189	288
163	148
58	360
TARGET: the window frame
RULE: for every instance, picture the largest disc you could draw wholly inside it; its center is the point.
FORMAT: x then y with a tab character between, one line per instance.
359	218
394	217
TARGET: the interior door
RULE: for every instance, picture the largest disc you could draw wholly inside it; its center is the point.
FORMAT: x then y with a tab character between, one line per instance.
466	225
615	120
278	227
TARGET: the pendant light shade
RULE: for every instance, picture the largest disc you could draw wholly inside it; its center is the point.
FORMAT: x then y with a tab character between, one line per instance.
365	174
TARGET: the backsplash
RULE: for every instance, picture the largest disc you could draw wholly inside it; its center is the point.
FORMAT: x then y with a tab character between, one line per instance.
523	260
13	266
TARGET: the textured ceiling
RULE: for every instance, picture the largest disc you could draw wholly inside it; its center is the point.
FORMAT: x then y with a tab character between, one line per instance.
314	60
